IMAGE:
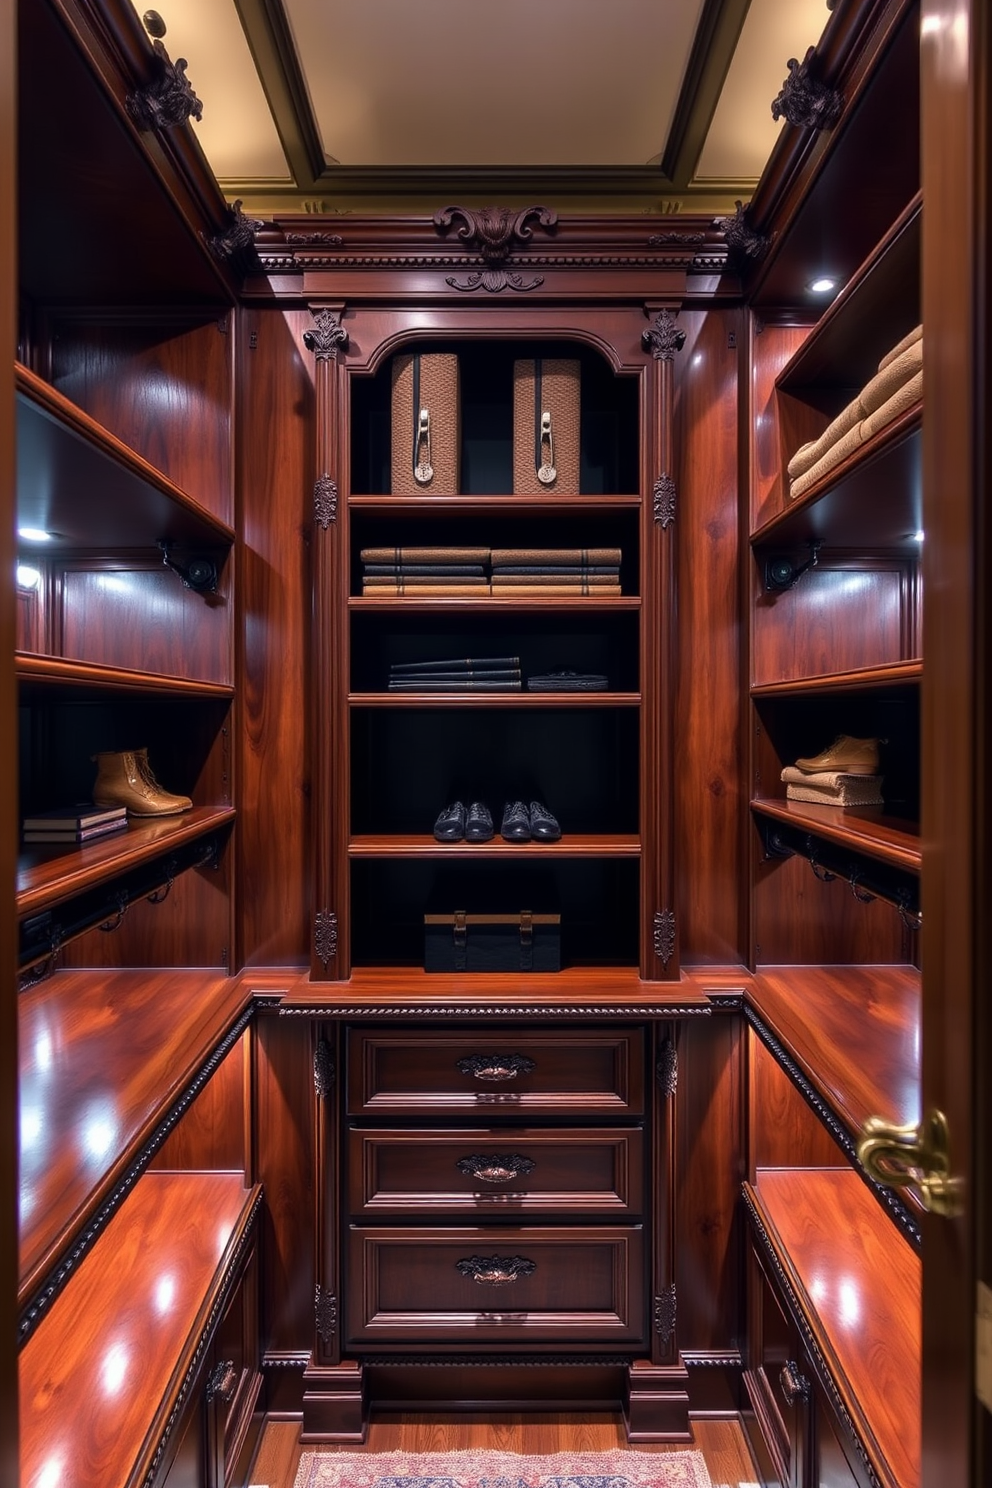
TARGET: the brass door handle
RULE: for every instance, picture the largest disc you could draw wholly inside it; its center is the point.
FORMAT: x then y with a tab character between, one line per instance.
913	1157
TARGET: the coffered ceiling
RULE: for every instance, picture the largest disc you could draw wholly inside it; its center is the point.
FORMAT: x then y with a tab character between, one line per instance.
324	105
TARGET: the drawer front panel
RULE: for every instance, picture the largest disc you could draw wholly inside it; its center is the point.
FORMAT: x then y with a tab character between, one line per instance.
574	1171
600	1072
570	1285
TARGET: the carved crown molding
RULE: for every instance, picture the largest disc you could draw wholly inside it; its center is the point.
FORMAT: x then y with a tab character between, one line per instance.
658	1009
495	231
804	100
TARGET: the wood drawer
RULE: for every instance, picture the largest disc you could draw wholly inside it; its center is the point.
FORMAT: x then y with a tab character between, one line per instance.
488	1170
575	1285
503	1072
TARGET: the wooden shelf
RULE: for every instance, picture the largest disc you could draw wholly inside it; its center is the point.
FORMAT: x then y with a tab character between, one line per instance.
102	1375
489	602
576	845
856	1285
863	829
873	311
48	875
104	1053
897	674
464	505
854	1031
62	452
52	675
872	499
522	699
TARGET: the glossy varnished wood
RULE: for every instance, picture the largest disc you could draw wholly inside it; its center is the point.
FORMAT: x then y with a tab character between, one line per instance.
52	676
104	1057
99	1378
783	1130
898	674
864	829
478	699
493	602
857	1284
519	506
130	502
854	1031
571	845
48	875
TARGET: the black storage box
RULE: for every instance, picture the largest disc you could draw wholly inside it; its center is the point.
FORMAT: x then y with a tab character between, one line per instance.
471	942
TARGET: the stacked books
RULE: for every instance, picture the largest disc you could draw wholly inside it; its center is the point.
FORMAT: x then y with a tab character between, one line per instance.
463	674
424	572
74	824
832	787
555	571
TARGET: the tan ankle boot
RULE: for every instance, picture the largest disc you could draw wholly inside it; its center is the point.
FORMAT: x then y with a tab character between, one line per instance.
125	778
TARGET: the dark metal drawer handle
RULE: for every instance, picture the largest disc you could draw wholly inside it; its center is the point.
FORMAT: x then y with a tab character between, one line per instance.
496	1270
495	1066
497	1167
795	1386
220	1385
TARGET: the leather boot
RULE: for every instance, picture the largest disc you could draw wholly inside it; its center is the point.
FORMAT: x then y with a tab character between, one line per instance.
125	778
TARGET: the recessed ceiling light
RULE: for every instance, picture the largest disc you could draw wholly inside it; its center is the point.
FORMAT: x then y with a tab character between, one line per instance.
34	534
822	284
918	535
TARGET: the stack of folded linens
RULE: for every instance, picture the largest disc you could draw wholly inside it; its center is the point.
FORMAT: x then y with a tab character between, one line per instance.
424	572
832	787
458	674
896	386
555	571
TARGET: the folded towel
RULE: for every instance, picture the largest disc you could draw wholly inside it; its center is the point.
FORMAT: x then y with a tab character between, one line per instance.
891	378
837	452
832	787
910	392
808	454
900	347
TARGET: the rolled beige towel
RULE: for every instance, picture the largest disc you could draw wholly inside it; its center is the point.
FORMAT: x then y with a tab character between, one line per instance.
904	397
915	335
808	454
837	452
890	380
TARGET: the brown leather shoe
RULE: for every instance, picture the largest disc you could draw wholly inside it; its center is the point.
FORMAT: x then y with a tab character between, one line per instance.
845	756
125	778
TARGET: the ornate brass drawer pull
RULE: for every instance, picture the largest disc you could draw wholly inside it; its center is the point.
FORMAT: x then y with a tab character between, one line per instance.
498	1167
496	1270
495	1066
222	1381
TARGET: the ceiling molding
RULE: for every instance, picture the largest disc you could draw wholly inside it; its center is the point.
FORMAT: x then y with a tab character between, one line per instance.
717	35
274	53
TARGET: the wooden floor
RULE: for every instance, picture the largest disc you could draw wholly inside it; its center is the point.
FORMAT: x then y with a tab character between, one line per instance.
722	1443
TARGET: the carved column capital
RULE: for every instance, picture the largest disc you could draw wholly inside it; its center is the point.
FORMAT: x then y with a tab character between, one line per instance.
805	101
326	336
664	338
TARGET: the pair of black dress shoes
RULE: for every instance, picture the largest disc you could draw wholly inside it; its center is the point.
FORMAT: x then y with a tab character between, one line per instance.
476	824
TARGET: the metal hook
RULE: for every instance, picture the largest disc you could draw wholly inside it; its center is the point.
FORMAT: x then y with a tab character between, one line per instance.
862	895
160	895
122	909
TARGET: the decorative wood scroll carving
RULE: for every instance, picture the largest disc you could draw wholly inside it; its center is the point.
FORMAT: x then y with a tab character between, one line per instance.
326	1315
169	99
743	242
664	338
495	1167
330	240
675	240
668	1068
664	500
495	231
325	500
495	1270
665	1307
325	936
326	336
664	935
239	237
804	100
323	1069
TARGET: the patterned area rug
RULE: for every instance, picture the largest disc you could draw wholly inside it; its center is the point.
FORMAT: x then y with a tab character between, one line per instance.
481	1469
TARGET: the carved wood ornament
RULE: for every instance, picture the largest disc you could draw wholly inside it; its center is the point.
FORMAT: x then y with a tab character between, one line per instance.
325	1315
169	99
238	237
326	336
664	500
495	231
804	100
325	936
665	1308
323	1069
664	338
325	500
743	243
664	935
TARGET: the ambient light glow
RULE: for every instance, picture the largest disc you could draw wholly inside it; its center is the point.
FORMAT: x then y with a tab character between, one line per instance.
918	535
822	284
51	1474
27	577
165	1293
114	1368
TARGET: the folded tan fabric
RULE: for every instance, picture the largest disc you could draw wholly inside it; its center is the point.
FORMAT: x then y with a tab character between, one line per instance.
808	454
900	347
837	452
844	795
910	392
891	378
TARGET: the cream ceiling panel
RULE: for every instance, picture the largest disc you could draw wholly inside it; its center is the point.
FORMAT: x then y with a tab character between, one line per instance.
743	132
237	132
527	82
